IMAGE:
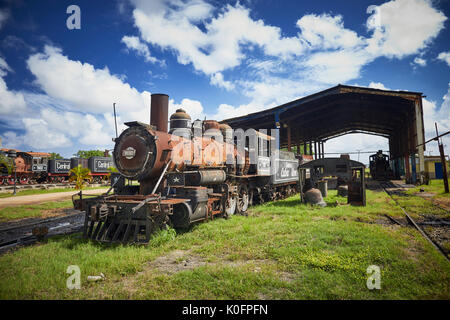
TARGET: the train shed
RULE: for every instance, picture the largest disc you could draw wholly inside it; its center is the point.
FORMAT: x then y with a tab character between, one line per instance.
312	120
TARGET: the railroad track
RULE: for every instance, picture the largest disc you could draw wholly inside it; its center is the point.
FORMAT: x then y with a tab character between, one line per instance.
385	186
19	233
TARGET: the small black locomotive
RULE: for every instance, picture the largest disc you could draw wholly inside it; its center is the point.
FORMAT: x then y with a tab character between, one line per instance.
379	165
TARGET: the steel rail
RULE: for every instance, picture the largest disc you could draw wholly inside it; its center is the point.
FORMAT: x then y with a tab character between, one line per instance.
411	220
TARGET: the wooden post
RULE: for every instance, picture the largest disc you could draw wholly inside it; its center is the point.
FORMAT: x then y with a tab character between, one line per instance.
444	167
444	163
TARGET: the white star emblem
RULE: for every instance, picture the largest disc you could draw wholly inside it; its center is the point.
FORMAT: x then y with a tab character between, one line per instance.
176	179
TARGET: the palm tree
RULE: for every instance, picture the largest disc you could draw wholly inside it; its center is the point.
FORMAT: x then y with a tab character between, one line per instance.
79	175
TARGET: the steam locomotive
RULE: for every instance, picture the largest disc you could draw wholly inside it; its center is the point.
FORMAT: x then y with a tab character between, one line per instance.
36	167
380	168
195	172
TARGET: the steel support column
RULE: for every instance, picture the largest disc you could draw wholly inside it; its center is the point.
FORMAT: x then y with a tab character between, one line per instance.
315	150
407	170
323	149
413	169
288	129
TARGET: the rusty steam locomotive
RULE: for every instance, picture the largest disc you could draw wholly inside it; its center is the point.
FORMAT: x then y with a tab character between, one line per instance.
194	172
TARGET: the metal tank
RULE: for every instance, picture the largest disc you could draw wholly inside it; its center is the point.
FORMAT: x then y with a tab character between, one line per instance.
180	124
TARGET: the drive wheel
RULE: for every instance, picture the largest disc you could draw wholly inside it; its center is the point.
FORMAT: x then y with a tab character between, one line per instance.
10	181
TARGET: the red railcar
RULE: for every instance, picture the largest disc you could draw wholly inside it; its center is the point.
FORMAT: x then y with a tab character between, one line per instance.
31	167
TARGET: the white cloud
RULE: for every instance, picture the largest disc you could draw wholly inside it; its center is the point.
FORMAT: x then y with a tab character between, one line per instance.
81	85
420	62
134	43
433	113
4	15
52	128
336	66
217	80
403	27
12	103
192	107
327	32
445	56
173	25
4	67
377	85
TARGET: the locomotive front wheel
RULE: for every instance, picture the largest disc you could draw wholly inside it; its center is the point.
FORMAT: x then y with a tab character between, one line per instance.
23	180
230	206
243	200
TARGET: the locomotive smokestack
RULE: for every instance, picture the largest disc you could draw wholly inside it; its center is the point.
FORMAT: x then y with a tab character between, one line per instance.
159	112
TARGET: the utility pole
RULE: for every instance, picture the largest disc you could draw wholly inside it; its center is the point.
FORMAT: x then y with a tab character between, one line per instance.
444	163
115	119
358	153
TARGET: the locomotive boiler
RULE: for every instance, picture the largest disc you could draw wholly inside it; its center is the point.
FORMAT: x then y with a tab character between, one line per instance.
196	171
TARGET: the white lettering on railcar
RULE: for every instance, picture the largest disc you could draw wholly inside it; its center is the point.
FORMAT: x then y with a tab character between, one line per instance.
103	164
62	165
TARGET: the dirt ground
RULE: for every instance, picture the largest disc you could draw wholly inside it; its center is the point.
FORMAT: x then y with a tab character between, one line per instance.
40	198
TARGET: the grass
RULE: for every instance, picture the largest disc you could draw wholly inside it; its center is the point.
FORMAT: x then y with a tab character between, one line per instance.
42	191
435	186
282	250
33	211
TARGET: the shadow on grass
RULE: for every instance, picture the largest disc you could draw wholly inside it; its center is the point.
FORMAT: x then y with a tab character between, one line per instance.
73	241
286	203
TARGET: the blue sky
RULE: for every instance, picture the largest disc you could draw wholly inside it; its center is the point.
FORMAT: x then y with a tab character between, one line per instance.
216	59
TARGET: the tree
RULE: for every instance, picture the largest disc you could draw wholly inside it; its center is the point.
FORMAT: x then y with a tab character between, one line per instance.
86	154
79	175
54	156
6	164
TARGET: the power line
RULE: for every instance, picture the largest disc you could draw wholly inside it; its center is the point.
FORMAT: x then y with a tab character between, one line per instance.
355	152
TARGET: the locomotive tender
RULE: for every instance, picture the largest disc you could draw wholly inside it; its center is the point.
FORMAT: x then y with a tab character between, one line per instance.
197	171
